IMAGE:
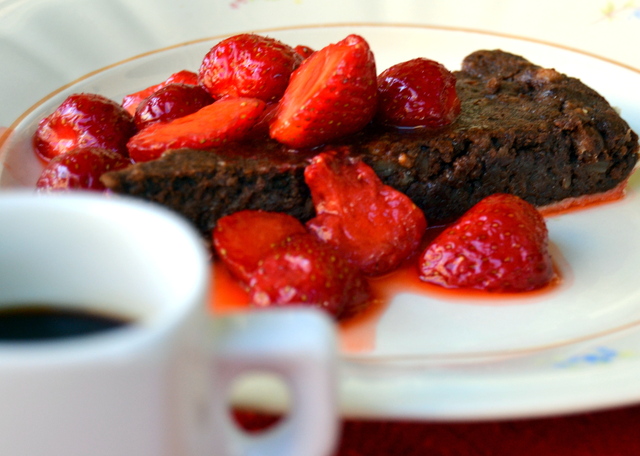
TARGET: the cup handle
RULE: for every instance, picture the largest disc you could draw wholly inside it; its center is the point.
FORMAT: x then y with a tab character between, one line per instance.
300	347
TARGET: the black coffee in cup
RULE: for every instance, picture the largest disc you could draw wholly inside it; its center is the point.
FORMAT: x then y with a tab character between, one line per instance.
37	322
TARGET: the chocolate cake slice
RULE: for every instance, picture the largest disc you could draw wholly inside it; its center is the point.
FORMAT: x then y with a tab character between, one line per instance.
523	129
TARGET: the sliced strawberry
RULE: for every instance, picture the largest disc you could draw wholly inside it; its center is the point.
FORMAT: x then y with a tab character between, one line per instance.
242	239
80	169
332	94
84	120
248	65
417	93
171	102
261	128
130	102
371	224
500	244
304	271
221	122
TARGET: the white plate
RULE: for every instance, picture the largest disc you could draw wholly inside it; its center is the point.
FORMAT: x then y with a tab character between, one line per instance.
572	348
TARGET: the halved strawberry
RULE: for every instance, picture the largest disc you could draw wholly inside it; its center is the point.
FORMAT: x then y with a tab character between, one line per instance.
260	130
170	102
500	244
80	169
248	65
130	102
221	122
84	120
306	272
332	94
417	93
371	224
242	239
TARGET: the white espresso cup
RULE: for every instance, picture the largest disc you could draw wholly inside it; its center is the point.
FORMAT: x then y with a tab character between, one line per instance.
158	385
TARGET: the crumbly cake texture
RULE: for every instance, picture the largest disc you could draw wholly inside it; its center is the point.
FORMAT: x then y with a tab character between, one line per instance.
205	185
523	129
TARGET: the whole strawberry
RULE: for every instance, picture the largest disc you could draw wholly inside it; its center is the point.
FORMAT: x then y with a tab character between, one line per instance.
248	65
371	224
332	94
170	102
223	121
130	102
500	245
80	169
304	51
417	93
84	120
304	271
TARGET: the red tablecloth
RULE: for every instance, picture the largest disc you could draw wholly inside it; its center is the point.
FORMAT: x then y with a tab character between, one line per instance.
605	433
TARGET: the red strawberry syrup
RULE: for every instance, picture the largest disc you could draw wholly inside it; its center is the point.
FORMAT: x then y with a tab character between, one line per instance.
572	204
